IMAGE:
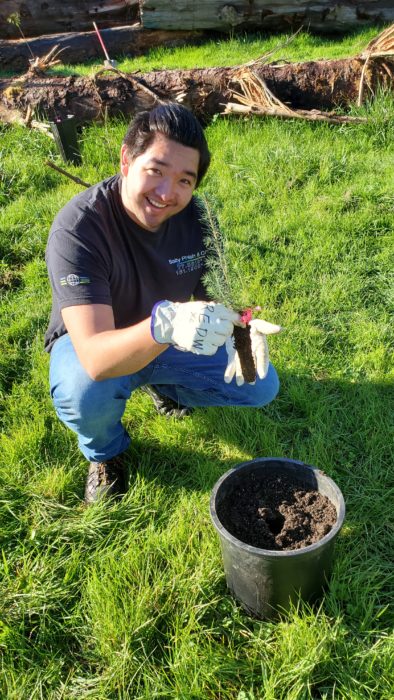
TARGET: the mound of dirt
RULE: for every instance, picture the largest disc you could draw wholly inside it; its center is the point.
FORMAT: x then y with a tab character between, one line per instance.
275	513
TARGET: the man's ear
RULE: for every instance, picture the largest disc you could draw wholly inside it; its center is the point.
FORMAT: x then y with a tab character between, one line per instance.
124	160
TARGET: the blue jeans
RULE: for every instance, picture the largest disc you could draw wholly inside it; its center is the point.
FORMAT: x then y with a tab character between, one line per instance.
94	409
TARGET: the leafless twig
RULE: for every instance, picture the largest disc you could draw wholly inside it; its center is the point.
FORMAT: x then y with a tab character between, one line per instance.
64	172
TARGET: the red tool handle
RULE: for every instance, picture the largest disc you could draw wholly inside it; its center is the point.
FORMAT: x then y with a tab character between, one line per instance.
101	42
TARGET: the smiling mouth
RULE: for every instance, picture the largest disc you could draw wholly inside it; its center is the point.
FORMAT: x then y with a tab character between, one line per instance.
154	203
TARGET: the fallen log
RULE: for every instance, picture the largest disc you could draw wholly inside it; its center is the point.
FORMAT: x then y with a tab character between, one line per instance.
318	15
58	16
313	85
79	47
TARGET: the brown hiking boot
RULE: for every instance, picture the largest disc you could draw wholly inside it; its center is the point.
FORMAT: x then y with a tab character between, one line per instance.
105	479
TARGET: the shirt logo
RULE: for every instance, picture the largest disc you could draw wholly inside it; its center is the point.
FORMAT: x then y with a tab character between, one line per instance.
73	280
188	263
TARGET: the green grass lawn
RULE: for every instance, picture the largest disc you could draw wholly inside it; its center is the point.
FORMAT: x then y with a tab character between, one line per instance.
128	600
239	49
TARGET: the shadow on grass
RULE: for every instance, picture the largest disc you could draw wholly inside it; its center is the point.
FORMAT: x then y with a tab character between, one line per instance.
343	427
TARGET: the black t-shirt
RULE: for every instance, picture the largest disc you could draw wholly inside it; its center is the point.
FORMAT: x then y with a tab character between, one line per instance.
96	254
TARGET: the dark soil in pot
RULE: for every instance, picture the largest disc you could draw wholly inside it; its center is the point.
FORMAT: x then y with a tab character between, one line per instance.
272	512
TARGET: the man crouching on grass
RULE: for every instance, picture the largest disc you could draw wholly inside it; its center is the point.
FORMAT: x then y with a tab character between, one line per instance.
124	259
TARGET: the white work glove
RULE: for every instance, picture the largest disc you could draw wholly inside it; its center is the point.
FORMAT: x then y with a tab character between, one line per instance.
259	329
195	326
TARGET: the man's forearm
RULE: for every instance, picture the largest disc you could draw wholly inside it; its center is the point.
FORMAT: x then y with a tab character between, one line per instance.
116	352
198	327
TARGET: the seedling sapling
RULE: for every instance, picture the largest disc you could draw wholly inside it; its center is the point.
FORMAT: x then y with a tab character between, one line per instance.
224	285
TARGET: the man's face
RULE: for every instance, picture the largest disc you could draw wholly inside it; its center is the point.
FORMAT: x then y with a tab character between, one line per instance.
160	182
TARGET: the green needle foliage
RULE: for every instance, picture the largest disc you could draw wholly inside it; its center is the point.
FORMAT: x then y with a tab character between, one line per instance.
127	600
222	279
220	283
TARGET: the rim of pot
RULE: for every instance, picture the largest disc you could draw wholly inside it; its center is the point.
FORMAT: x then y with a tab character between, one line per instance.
259	551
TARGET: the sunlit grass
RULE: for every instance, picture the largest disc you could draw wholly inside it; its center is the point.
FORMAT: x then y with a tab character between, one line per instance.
238	49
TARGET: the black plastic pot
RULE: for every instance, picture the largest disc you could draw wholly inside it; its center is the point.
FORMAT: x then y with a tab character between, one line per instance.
267	582
65	134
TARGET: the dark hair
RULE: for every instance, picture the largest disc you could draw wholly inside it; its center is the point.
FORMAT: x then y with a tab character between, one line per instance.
176	123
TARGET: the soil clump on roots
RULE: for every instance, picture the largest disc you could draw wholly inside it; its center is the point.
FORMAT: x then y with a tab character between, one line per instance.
275	513
243	347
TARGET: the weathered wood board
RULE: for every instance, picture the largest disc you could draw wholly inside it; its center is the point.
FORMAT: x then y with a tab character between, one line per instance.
224	15
55	16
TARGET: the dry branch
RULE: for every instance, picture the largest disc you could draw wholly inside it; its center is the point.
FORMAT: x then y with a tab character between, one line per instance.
256	98
74	178
377	49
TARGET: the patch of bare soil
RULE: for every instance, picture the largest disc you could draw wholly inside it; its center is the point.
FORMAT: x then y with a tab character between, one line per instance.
272	512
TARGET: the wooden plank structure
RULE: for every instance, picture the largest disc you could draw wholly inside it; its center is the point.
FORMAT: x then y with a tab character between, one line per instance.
38	17
225	15
58	16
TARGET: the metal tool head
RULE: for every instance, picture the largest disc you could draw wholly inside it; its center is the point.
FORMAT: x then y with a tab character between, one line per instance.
110	63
